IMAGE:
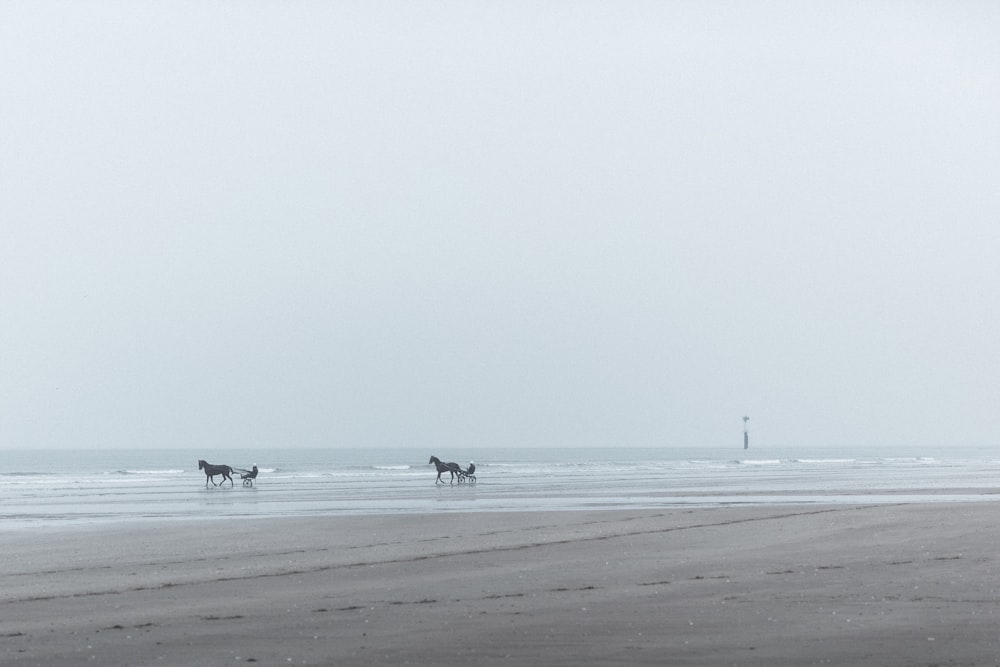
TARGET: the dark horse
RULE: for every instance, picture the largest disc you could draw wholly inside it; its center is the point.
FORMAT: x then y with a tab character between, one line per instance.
453	468
212	470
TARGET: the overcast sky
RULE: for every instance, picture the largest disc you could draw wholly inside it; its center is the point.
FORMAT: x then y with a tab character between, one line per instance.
458	224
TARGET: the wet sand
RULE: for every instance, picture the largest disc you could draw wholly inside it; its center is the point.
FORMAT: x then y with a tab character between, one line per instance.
912	584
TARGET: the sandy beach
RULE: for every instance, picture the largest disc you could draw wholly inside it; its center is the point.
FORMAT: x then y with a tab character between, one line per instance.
908	584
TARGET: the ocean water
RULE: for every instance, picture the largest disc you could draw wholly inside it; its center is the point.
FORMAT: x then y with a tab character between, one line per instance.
57	488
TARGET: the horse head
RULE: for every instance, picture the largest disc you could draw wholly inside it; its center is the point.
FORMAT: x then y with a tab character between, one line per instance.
202	464
434	459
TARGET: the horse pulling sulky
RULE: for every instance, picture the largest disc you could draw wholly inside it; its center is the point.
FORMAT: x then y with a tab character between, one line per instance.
467	475
248	476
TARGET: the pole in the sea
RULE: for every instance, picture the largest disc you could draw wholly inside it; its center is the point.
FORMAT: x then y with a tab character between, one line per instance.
746	434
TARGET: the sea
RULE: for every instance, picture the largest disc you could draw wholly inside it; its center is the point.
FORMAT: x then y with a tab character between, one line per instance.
76	487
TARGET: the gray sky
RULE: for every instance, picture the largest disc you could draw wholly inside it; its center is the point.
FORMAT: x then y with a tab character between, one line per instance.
456	224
